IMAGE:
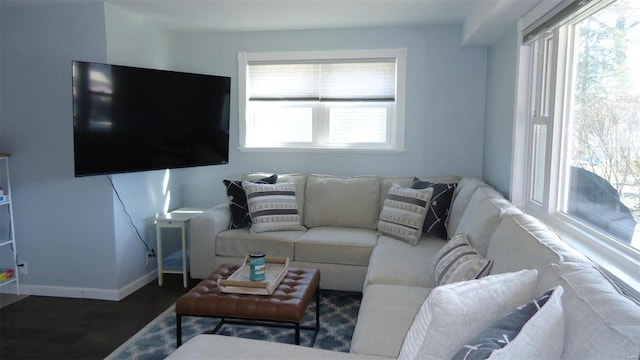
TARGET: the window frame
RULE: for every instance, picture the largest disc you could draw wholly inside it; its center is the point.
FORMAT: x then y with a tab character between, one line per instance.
395	125
618	260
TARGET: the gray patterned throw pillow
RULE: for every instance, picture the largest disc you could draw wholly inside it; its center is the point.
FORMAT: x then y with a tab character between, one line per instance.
403	213
273	207
459	261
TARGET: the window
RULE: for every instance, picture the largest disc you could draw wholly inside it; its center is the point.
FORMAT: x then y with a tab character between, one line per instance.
327	101
581	163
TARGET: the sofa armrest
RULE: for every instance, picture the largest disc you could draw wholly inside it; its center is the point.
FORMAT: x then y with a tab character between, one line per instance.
204	229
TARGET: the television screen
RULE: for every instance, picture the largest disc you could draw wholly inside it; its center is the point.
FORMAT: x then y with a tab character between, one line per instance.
128	119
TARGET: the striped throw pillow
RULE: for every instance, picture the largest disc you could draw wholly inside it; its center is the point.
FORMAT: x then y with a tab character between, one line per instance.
459	261
272	207
403	213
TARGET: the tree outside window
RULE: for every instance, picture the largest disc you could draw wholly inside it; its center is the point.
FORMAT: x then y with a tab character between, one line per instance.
604	166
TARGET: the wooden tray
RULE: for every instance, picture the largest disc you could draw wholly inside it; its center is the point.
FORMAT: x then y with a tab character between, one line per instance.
239	282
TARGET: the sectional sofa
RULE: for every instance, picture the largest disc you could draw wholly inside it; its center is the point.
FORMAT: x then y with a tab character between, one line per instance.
427	298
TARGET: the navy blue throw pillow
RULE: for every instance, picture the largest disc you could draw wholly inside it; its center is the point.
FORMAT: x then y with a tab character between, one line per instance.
438	210
238	201
502	331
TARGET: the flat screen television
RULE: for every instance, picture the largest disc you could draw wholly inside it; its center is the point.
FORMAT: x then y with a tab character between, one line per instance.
128	119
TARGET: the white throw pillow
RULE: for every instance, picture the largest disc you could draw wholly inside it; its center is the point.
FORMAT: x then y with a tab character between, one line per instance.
272	207
531	331
403	213
459	261
454	313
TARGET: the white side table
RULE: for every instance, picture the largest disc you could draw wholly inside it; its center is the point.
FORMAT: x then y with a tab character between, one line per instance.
175	219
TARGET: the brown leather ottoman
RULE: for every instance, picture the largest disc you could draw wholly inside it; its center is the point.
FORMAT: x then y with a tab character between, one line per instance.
284	308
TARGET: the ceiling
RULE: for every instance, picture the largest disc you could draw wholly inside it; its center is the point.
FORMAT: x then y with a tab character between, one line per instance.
483	21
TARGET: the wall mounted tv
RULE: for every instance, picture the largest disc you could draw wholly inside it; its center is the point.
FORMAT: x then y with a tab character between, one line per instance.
128	119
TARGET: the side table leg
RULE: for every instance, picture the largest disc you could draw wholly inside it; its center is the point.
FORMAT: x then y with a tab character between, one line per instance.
184	254
159	251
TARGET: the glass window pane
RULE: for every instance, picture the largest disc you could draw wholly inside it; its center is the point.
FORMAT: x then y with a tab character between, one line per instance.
277	125
538	163
548	72
604	174
349	125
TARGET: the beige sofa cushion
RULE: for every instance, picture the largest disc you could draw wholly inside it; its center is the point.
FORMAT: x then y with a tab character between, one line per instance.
396	262
482	216
381	332
342	201
464	191
336	245
233	348
518	237
240	242
600	323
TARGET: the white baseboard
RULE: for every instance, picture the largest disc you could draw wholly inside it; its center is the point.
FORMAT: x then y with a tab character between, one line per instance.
89	293
137	284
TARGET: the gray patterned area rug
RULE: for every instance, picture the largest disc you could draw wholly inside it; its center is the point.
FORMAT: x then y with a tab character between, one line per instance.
338	313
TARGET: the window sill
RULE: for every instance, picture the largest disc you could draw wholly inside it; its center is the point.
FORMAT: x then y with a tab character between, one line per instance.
620	262
321	150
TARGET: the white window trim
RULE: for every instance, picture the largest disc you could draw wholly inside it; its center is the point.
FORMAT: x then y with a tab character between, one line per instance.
396	131
620	261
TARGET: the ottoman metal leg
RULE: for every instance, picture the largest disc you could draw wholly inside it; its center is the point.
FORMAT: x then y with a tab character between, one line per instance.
178	330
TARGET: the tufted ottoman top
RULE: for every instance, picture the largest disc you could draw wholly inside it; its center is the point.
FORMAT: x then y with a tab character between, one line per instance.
287	303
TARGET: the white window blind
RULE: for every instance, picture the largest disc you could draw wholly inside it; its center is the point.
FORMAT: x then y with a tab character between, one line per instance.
342	81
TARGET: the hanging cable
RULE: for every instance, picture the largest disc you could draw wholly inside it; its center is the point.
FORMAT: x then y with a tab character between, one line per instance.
150	250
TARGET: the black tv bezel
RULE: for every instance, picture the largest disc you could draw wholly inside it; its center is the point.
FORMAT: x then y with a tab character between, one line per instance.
141	167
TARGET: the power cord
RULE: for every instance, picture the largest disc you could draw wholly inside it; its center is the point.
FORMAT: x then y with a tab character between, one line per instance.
150	251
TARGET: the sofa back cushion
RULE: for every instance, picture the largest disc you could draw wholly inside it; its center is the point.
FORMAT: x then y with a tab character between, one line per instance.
523	242
600	323
463	193
342	201
482	216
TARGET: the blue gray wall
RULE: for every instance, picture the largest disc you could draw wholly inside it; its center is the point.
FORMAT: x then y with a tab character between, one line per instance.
131	41
444	106
64	226
74	232
500	114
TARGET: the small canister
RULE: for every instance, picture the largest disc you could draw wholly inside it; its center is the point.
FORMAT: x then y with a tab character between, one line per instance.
257	266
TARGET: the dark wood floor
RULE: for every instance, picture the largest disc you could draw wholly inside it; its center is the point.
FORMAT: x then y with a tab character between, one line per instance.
61	328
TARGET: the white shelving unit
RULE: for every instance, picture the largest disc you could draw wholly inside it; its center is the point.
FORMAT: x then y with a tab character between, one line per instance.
8	251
